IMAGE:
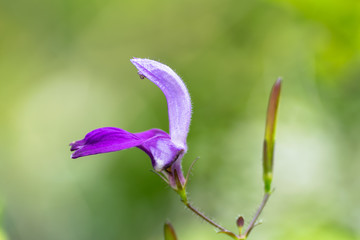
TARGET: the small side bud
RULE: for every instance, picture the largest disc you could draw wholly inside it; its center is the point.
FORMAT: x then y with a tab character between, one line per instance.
169	232
240	223
269	141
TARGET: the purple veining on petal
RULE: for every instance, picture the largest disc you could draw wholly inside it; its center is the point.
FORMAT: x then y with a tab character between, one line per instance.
176	93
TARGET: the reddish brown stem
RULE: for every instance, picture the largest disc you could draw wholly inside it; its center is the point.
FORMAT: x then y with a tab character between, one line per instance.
257	214
221	228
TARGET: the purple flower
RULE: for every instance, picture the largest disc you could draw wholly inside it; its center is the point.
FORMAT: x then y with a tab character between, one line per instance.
165	150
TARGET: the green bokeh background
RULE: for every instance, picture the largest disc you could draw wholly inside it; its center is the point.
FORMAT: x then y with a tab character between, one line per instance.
65	70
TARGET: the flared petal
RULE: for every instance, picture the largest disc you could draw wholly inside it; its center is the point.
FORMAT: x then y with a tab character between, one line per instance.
103	140
176	93
155	142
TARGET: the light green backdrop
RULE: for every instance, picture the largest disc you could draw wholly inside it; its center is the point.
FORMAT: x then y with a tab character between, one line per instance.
65	70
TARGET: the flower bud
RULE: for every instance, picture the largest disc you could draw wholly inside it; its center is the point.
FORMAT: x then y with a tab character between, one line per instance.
169	232
269	141
240	223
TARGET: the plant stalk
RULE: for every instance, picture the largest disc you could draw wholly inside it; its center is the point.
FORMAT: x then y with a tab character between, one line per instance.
200	214
257	214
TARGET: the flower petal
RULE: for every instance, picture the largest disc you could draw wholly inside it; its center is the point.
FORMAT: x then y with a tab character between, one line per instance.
155	142
152	133
176	93
103	140
162	151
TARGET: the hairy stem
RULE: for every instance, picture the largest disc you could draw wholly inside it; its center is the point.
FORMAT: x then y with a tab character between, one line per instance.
257	214
200	214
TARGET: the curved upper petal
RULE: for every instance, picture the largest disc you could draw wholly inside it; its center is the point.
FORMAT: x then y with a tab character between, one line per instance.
176	93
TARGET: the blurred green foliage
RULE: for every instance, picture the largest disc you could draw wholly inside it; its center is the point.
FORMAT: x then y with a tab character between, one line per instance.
65	70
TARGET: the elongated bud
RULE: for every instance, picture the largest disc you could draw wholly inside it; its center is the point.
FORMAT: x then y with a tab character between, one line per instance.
169	232
269	141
